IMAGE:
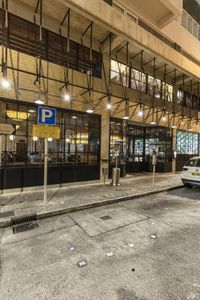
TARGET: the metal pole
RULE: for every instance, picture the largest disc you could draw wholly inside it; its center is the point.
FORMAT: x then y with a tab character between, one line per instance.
153	179
1	146
45	169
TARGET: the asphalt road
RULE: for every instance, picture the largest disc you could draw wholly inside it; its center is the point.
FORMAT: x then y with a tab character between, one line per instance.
142	249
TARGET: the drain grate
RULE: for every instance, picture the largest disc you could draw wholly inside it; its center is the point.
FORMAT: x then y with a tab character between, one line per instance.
106	218
25	227
6	214
26	219
21	224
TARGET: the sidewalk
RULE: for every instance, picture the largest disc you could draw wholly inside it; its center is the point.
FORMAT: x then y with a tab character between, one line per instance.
84	195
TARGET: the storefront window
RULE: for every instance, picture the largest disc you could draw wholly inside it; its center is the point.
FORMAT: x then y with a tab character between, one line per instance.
79	142
135	143
117	141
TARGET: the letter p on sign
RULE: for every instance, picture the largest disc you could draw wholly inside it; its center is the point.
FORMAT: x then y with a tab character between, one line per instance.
46	115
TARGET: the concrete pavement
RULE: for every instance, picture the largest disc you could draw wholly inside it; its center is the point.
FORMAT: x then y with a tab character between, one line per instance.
85	195
153	245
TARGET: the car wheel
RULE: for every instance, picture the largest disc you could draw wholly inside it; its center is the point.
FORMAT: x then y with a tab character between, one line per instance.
188	185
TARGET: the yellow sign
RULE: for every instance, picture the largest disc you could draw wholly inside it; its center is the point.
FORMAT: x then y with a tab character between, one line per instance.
46	131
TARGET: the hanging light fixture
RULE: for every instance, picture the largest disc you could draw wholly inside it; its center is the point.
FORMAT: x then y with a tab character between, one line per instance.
67	96
50	139
141	111
39	101
89	110
109	104
32	111
35	138
126	116
5	83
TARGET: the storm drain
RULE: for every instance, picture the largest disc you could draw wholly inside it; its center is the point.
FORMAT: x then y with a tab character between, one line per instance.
25	227
21	224
6	214
106	218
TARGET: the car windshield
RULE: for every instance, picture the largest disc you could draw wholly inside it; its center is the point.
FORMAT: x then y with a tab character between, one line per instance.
191	163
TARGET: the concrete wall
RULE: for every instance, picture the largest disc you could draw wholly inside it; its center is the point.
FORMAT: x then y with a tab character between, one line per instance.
176	32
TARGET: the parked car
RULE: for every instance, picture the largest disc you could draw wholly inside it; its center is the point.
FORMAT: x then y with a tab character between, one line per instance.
191	173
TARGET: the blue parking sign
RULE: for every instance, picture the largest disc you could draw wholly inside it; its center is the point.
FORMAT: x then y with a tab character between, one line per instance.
46	115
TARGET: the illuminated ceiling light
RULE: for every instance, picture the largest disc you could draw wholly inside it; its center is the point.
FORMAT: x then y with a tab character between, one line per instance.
50	139
190	129
89	110
32	111
74	117
67	97
11	137
182	123
109	106
141	113
35	138
173	126
67	140
39	101
164	118
126	115
5	83
153	123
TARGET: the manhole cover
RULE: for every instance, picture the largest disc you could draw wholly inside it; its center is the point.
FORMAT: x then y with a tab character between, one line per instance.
6	214
106	218
25	227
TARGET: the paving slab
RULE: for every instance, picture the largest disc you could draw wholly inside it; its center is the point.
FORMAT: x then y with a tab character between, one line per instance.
97	220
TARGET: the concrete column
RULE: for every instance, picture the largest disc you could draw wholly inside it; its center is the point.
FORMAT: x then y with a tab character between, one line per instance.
105	131
174	131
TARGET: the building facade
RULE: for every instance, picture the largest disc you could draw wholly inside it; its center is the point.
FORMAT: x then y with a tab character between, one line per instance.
123	75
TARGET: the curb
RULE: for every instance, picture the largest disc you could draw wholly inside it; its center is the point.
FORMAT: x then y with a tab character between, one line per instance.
6	222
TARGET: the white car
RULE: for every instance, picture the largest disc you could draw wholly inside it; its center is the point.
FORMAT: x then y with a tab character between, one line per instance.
191	172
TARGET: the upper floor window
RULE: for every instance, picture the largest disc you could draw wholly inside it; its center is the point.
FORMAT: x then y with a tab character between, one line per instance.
119	73
191	25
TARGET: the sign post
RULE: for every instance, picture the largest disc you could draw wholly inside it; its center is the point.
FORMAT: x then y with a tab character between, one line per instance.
154	168
45	169
46	118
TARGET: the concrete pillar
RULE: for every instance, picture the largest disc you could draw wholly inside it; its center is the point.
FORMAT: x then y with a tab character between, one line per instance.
174	131
105	131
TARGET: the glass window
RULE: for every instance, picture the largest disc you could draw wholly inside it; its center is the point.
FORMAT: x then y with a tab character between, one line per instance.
154	86
119	73
79	142
117	141
180	96
191	163
167	92
184	20
138	80
187	142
